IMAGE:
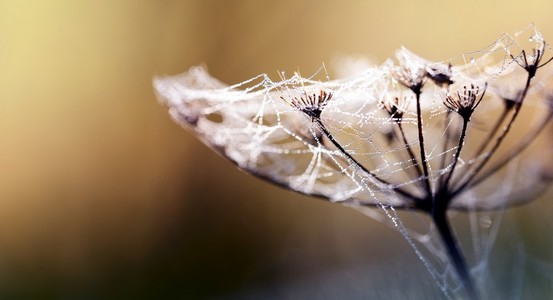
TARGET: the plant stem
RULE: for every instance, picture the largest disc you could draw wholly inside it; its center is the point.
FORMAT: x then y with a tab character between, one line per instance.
492	133
352	160
409	150
445	145
421	144
529	137
498	142
440	221
457	153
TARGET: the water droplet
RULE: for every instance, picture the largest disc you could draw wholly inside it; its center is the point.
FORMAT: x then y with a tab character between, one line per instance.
531	39
485	221
472	60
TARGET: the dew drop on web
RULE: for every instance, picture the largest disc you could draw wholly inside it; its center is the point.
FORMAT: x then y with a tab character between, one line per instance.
485	221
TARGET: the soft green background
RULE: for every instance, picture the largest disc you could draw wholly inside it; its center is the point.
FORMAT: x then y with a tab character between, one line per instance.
103	196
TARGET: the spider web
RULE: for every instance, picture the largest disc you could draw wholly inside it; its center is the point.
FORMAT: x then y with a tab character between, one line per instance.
256	125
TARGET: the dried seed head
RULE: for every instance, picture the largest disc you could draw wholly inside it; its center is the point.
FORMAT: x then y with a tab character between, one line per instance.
440	73
396	106
311	105
411	70
531	63
466	102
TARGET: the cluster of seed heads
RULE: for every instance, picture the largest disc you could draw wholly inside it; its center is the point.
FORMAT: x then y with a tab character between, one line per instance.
413	72
350	163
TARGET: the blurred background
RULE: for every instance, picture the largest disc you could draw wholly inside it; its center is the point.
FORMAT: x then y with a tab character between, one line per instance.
102	196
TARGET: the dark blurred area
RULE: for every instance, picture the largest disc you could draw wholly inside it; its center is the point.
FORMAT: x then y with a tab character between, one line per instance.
102	196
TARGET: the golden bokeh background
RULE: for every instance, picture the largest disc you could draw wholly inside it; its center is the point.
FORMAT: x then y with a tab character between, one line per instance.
103	196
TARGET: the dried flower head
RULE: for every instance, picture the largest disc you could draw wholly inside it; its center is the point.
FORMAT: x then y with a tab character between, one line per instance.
411	70
312	105
466	102
531	63
422	164
396	106
440	73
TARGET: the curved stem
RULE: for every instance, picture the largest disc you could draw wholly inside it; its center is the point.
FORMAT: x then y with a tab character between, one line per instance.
352	160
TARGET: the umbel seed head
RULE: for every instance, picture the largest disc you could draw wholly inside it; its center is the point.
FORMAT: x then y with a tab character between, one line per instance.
312	105
396	106
440	73
466	102
410	71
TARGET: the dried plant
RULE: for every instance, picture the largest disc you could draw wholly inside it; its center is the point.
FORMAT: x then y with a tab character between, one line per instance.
410	134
